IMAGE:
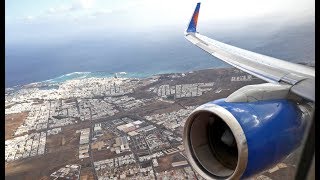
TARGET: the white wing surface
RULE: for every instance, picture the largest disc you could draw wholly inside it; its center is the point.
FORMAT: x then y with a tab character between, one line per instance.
267	68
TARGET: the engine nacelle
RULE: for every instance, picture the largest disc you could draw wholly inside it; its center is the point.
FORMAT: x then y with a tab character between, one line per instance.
233	140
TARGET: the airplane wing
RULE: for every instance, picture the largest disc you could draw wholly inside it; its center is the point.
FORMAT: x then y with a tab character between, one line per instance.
300	77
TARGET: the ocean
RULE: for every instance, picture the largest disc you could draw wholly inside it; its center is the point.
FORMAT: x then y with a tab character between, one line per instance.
142	54
137	58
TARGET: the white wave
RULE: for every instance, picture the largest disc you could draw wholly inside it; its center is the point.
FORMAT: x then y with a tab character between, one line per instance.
122	73
49	80
74	73
65	75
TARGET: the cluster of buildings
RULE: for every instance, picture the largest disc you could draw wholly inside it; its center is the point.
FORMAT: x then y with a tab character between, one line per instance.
173	119
91	109
25	95
100	108
62	113
53	131
182	90
126	102
241	78
25	146
103	138
146	173
65	108
151	156
97	131
83	109
59	122
121	145
156	141
37	119
117	168
47	114
115	127
131	126
76	88
138	144
84	143
14	107
142	130
59	113
171	151
179	163
93	87
68	172
178	174
123	167
111	128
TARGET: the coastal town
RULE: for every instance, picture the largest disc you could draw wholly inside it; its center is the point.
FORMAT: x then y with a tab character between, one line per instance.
110	128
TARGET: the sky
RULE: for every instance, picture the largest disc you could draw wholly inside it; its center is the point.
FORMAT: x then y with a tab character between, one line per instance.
34	20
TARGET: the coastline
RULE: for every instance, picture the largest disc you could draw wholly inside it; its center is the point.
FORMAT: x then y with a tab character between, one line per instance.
97	74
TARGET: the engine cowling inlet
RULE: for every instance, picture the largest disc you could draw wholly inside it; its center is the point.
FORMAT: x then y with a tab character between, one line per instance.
233	140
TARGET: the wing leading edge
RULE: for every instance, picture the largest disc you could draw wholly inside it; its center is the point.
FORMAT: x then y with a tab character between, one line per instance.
267	68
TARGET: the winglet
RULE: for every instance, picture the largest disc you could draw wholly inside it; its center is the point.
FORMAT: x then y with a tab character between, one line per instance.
194	19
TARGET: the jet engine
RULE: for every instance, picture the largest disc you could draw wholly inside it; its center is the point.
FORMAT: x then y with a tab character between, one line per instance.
233	139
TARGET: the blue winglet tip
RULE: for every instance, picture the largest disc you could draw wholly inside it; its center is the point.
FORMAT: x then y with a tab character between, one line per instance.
194	20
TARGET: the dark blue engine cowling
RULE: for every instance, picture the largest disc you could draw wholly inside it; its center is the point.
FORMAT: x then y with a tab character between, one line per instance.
272	130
